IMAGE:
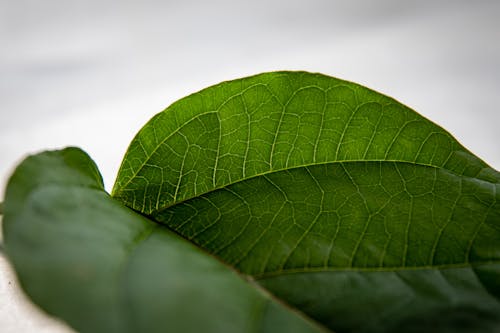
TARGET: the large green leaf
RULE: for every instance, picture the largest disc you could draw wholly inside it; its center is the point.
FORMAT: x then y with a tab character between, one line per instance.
339	200
101	267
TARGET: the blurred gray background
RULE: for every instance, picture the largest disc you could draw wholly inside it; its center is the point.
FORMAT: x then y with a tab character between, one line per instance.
91	73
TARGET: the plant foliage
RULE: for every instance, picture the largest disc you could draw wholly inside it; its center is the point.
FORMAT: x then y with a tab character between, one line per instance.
282	202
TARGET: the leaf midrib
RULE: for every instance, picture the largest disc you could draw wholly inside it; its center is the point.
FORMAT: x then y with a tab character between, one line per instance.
273	171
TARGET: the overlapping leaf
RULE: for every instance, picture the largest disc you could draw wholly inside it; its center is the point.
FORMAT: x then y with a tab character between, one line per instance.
342	202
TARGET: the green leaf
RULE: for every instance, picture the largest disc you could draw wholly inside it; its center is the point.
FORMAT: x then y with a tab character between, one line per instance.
101	267
339	200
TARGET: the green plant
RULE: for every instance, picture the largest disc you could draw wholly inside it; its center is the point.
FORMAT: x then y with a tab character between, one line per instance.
282	202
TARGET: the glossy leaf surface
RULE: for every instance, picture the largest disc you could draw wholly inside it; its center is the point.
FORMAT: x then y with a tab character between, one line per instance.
101	267
341	201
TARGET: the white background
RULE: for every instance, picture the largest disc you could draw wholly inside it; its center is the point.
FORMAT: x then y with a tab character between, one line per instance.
91	73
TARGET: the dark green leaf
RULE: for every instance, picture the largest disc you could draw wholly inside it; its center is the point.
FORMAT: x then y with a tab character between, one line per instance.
341	201
101	267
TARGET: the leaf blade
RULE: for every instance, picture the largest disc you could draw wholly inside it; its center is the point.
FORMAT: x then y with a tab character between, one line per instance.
435	205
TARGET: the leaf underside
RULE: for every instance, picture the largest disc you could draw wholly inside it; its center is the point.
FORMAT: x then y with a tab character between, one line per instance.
343	203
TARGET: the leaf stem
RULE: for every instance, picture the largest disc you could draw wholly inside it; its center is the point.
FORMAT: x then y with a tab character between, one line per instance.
1	208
